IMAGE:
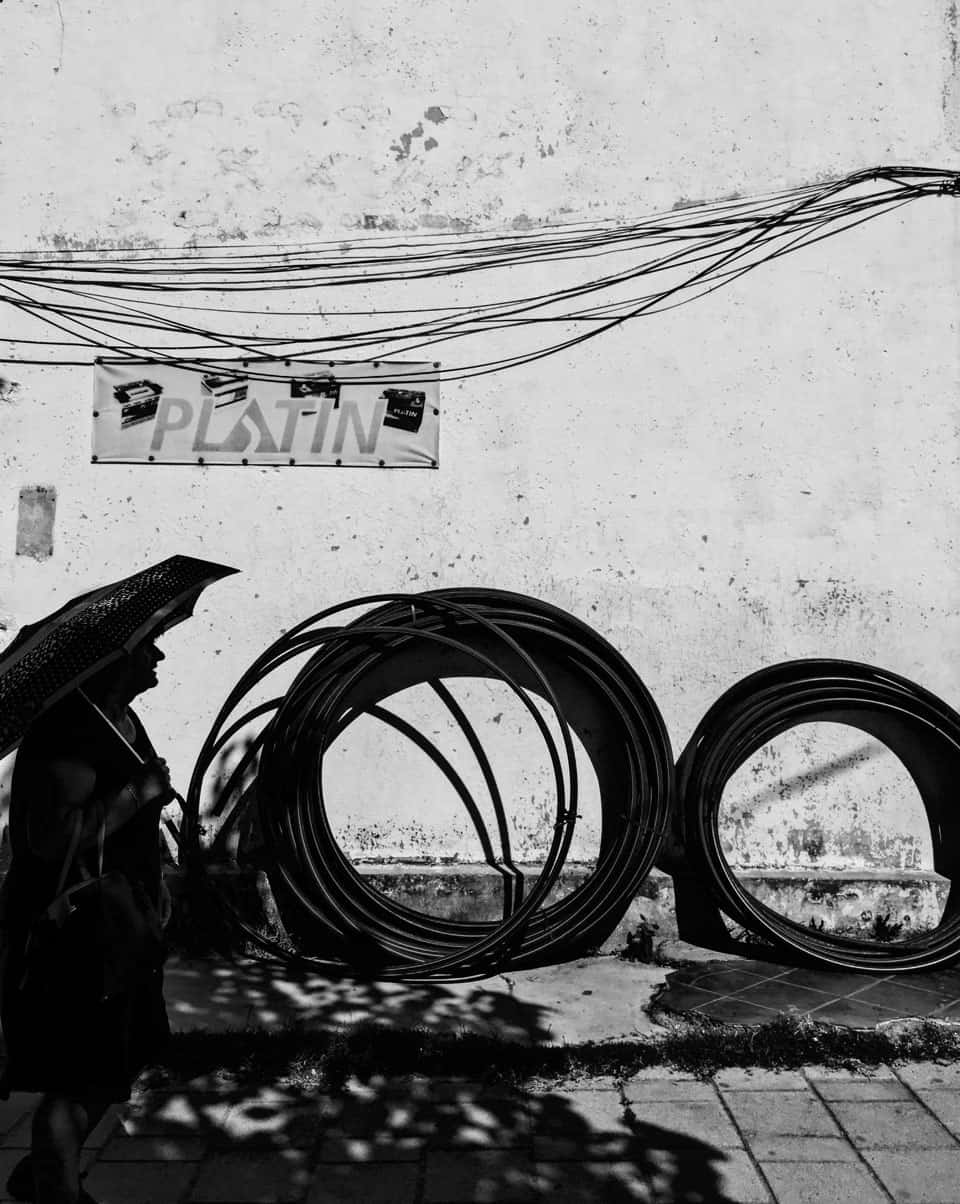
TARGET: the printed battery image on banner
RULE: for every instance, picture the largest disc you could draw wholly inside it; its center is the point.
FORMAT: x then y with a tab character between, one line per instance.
322	385
283	413
138	400
226	389
404	408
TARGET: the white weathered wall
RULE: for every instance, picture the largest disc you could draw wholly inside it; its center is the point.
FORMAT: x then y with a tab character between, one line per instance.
767	473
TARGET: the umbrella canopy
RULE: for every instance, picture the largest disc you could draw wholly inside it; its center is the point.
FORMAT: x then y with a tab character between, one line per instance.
49	659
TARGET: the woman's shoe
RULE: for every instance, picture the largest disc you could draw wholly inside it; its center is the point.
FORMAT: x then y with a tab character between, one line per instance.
20	1183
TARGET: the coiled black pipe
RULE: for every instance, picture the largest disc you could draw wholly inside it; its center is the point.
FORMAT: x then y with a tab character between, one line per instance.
920	729
535	649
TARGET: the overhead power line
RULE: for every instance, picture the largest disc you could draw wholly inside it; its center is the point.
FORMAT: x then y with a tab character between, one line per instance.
191	307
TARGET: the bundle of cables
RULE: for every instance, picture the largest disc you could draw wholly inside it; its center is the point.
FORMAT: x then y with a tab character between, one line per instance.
137	305
915	725
540	653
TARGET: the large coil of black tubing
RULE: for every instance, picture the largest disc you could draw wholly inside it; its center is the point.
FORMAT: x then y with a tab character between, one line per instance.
536	649
920	729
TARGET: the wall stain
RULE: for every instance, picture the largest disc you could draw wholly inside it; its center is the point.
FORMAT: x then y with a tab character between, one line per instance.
403	145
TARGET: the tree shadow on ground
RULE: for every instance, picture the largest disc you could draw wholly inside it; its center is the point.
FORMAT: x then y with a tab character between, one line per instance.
406	1141
199	1127
212	993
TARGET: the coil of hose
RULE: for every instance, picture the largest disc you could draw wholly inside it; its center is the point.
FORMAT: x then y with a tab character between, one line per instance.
920	729
537	650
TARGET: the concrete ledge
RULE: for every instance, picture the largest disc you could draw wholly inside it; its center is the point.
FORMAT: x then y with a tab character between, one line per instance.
837	900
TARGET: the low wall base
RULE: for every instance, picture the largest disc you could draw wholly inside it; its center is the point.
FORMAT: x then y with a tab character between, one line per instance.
884	904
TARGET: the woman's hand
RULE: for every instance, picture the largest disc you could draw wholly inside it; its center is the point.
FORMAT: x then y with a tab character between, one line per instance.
166	904
152	781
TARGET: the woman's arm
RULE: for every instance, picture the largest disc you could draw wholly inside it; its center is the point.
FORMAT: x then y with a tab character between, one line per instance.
70	785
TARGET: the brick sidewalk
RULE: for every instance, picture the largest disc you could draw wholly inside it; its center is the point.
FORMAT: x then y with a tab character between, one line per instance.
745	1137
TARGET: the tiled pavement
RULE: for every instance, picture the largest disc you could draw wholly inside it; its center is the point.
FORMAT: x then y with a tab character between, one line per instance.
745	1137
740	991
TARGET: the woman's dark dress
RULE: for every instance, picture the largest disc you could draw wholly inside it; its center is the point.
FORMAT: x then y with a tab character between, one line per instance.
61	1044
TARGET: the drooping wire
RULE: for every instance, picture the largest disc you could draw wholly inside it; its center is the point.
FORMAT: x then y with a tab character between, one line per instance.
121	302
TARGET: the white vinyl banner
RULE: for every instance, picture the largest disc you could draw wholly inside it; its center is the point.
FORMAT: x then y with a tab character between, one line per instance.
306	413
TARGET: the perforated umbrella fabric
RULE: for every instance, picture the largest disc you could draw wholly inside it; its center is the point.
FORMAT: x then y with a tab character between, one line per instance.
50	658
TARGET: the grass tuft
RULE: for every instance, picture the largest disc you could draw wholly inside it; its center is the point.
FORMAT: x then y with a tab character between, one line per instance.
299	1057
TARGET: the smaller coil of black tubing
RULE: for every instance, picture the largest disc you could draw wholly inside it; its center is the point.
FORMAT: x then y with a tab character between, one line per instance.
915	725
535	649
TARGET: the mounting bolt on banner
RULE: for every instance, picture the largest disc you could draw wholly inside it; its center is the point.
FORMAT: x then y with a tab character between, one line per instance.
375	414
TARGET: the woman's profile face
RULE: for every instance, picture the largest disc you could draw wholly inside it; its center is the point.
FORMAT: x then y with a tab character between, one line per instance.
143	666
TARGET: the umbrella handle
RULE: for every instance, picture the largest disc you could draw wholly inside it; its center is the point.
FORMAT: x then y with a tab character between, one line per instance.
113	727
179	834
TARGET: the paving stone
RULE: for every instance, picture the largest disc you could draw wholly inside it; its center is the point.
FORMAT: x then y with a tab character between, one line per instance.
360	1149
20	1136
361	1184
944	1103
649	1090
817	1073
657	1074
891	1124
163	1115
781	1113
810	1183
154	1149
737	1011
802	1149
144	1182
578	1114
14	1109
107	1127
599	1147
854	1013
253	1177
667	1123
930	1074
862	1089
931	1179
708	1174
475	1177
273	1122
907	999
755	1078
577	1182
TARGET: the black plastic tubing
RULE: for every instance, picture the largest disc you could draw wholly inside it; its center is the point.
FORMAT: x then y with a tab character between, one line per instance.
539	651
920	729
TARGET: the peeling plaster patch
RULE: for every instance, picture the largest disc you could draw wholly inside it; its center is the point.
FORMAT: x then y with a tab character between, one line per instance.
950	93
35	514
362	115
292	112
402	147
430	143
239	161
8	389
203	107
149	157
318	172
436	115
195	217
442	221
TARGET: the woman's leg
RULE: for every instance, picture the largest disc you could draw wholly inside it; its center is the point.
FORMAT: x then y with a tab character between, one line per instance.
94	1104
59	1126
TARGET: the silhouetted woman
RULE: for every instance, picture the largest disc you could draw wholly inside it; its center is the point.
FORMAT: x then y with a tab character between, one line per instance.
82	1056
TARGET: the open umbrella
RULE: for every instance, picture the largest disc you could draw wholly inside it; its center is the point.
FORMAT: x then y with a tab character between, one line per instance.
54	657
